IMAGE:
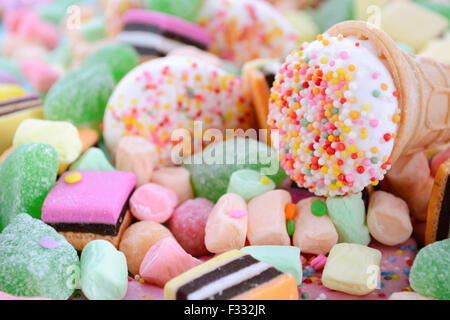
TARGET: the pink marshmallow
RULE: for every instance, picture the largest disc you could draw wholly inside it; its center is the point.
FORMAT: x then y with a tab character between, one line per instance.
153	202
39	74
164	261
188	224
26	23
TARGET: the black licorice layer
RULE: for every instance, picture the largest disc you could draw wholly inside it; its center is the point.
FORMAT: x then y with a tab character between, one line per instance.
444	215
164	33
97	228
223	271
247	285
25	103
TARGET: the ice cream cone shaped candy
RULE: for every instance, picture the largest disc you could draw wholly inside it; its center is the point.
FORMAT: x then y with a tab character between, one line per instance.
348	104
423	87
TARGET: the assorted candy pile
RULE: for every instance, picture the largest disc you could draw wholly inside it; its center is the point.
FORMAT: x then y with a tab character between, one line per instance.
119	179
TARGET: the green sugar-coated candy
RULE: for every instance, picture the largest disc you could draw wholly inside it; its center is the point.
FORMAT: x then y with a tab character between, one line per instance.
93	29
119	57
26	176
348	215
80	96
102	146
430	272
55	11
249	184
185	9
36	261
212	168
61	55
440	7
92	160
331	12
104	272
284	258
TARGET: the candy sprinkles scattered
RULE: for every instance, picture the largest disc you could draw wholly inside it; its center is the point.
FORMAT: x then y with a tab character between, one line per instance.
335	106
318	208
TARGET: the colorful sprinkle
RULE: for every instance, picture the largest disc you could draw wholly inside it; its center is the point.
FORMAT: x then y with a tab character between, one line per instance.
72	178
48	243
318	208
237	214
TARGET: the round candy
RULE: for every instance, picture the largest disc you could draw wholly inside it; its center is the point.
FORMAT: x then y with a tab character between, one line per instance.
335	107
138	239
244	30
188	224
170	93
318	208
153	202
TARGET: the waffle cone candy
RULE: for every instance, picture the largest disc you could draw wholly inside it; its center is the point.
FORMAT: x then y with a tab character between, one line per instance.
423	86
438	216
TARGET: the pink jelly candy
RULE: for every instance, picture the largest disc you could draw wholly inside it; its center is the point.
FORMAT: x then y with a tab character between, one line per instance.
188	223
153	202
164	261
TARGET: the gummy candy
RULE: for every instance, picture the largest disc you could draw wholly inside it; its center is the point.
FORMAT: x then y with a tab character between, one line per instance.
36	261
211	177
186	9
430	275
80	96
119	57
26	176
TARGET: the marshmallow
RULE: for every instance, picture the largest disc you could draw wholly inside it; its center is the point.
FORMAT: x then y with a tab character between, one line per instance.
104	274
266	219
352	268
388	218
349	217
137	155
176	179
313	234
226	228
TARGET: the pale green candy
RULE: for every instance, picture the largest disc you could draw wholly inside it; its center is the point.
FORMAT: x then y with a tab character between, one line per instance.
62	55
348	215
430	272
80	96
331	12
185	9
26	176
104	273
27	268
249	184
284	258
211	169
93	29
119	57
440	7
92	160
406	47
55	11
